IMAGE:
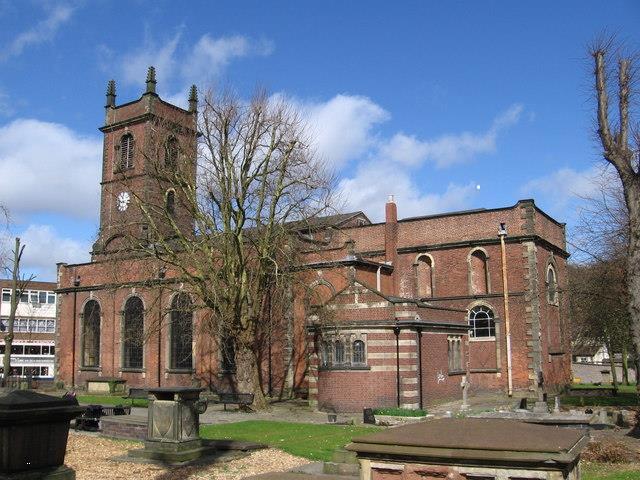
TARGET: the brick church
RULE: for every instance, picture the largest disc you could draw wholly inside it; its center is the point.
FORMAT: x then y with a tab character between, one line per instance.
403	312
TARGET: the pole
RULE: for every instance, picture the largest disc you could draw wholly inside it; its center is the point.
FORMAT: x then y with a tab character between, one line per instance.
420	365
396	330
73	341
159	336
505	290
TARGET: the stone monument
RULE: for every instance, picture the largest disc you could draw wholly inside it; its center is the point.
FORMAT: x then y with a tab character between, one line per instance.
173	426
33	435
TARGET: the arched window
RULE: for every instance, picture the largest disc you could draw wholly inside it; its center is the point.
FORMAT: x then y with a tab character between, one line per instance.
133	333
181	333
478	273
326	354
126	152
552	286
482	323
424	274
338	352
358	352
91	334
170	202
171	154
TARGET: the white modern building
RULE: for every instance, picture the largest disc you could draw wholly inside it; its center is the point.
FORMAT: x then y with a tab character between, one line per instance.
33	350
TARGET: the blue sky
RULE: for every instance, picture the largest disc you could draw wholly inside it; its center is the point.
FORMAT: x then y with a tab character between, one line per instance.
446	105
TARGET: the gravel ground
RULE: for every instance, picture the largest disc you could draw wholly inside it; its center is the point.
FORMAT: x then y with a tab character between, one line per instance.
92	458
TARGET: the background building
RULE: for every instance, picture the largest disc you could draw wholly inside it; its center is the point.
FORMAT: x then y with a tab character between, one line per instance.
33	349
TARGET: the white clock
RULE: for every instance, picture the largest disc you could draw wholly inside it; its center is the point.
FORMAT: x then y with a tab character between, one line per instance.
123	201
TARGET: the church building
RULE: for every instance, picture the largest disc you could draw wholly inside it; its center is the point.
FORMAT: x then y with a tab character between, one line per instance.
405	312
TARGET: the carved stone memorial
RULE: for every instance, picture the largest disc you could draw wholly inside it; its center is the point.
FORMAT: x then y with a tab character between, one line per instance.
173	426
33	435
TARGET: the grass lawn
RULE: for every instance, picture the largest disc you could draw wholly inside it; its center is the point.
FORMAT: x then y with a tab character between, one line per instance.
315	442
111	400
610	471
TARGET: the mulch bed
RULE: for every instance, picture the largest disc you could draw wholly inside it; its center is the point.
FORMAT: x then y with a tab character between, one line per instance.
92	458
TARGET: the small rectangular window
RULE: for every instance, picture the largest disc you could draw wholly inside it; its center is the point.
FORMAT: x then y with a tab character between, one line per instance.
42	297
6	295
51	297
1	349
17	349
33	297
51	326
32	350
24	297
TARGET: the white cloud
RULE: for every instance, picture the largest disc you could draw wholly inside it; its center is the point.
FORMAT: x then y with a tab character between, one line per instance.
448	149
135	63
43	31
564	185
44	248
209	56
176	62
374	181
341	129
49	168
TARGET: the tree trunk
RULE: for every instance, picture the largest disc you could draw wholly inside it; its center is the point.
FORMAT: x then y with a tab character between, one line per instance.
248	375
625	364
632	197
612	364
15	297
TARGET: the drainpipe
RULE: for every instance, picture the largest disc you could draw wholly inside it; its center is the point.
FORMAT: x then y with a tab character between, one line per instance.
396	330
419	332
76	283
502	233
162	271
391	240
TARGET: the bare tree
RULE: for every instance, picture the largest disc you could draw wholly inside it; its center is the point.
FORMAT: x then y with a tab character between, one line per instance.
18	285
618	137
232	234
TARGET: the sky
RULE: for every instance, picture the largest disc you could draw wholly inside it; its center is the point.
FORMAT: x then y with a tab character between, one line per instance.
446	105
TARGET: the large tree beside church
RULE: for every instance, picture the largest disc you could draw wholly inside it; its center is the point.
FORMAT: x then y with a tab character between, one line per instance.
258	181
618	132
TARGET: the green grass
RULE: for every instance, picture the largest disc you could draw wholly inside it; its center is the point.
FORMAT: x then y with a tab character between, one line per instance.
627	397
400	412
610	471
312	441
111	400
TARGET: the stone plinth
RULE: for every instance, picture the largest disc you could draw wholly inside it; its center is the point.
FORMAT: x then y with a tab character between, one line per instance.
33	435
173	426
106	385
471	448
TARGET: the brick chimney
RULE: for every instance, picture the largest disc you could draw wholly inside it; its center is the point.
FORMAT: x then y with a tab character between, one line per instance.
391	237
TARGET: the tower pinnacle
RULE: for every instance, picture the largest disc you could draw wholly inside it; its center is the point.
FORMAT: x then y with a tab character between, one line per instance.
151	80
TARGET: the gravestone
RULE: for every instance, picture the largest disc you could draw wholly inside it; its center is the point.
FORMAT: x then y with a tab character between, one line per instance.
173	426
34	429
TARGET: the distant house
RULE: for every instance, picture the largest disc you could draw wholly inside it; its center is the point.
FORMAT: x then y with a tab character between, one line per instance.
33	349
589	353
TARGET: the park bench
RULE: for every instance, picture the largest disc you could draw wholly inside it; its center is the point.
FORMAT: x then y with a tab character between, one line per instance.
137	393
243	400
90	418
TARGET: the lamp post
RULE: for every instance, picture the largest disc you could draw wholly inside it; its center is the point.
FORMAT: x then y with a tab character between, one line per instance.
502	233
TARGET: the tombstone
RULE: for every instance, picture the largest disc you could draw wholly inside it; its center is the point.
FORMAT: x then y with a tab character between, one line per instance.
173	426
469	448
37	428
368	417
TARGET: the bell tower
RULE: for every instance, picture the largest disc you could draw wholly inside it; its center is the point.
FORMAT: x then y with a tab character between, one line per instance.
148	162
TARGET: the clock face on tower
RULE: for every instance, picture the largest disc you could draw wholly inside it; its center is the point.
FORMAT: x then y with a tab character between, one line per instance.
123	201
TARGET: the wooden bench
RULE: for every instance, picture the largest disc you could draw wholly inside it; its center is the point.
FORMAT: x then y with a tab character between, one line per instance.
243	400
137	393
